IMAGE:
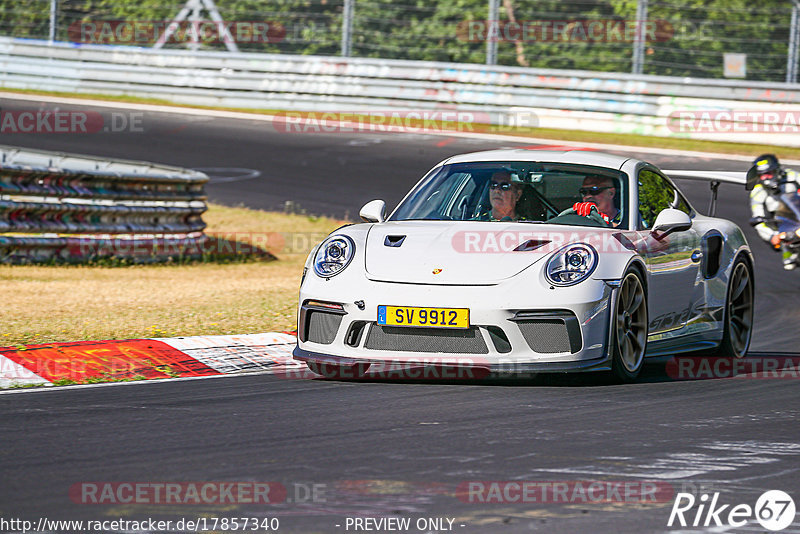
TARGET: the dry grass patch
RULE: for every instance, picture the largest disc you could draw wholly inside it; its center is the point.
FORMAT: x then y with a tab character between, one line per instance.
43	304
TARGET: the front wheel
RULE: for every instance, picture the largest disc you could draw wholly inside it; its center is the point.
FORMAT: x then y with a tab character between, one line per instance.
629	336
738	316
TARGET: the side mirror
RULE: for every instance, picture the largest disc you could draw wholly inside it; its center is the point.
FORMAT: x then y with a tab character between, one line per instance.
671	220
373	211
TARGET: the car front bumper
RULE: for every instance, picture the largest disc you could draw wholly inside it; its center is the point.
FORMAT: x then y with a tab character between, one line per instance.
515	328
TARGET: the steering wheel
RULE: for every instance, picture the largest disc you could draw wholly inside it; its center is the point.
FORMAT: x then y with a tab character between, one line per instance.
569	216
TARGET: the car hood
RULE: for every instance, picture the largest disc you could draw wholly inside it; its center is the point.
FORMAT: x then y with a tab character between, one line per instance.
460	253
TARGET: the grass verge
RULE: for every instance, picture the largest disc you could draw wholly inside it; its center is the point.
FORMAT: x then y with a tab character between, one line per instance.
574	136
46	304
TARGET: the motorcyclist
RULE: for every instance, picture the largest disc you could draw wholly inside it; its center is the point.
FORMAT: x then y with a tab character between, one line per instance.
765	201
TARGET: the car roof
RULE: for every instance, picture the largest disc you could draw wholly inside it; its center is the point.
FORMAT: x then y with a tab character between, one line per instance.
581	157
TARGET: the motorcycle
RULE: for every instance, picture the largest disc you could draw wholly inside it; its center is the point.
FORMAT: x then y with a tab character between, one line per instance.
787	222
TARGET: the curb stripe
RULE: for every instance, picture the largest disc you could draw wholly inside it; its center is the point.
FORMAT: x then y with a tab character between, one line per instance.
106	360
146	359
13	374
240	354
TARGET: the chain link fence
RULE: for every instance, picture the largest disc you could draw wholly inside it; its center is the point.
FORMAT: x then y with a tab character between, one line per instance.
698	38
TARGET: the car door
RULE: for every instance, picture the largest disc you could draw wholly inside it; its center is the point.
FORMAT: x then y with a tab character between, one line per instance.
673	261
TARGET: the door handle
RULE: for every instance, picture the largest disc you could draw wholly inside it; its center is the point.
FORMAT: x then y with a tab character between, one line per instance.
697	256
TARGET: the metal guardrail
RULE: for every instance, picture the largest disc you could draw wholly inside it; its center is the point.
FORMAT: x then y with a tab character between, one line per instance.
82	208
604	102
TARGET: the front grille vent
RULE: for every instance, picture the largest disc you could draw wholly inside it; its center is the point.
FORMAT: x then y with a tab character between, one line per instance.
499	338
322	326
545	337
550	332
411	339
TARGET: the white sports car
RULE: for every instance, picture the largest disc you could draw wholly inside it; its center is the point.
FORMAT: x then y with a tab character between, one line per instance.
528	261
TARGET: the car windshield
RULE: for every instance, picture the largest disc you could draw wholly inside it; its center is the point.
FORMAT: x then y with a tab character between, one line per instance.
516	191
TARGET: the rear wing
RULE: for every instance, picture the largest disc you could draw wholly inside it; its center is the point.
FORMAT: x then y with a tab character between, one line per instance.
729	177
714	178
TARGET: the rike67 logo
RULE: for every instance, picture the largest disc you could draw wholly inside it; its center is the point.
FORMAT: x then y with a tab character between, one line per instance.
774	510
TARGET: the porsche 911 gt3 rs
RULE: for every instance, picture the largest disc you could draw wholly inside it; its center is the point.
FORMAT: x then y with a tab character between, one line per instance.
459	275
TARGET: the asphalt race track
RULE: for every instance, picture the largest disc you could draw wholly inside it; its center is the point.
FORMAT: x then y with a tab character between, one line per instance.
400	450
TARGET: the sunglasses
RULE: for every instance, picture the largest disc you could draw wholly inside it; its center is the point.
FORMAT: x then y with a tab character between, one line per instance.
592	191
502	186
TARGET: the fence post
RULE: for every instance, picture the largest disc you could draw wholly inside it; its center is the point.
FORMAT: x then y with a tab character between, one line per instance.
640	41
794	44
53	14
347	28
492	32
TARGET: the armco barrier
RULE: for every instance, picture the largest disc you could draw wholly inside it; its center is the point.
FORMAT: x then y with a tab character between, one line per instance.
82	208
604	102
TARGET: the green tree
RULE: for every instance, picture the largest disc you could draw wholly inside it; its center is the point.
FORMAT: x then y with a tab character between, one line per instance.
703	30
692	38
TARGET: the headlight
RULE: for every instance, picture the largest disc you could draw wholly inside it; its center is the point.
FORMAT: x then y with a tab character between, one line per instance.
571	264
333	256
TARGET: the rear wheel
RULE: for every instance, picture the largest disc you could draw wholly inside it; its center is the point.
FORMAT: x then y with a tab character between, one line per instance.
738	316
629	336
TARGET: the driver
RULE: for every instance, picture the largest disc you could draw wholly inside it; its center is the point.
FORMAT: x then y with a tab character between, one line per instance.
598	192
773	181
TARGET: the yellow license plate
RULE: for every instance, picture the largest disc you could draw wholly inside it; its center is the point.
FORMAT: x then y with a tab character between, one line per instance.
429	317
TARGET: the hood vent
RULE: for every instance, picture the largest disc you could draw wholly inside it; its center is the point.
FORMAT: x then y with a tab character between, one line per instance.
531	244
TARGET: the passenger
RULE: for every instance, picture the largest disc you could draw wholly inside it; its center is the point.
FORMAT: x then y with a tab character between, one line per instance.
504	193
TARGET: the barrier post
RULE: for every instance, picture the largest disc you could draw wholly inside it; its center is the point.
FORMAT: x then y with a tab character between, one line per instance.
347	28
492	31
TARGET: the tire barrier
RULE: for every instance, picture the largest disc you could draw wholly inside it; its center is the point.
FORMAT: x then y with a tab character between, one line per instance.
66	217
21	181
62	208
26	249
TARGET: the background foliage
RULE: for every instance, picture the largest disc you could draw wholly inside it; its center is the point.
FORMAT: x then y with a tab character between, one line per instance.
700	31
